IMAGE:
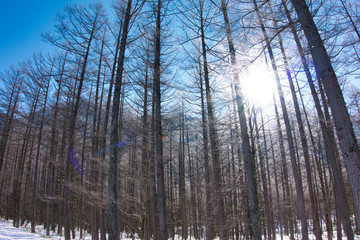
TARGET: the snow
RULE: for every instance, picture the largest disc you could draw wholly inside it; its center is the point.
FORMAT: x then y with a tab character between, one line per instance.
8	232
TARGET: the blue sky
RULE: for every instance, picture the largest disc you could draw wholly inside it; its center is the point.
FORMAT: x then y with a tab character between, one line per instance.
21	25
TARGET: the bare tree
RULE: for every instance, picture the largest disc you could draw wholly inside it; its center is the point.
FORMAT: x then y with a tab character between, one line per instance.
326	74
300	200
78	24
114	138
248	158
15	81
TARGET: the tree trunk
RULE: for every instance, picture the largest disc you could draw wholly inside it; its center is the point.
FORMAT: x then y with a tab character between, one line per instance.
300	201
192	192
264	181
114	136
72	131
9	117
35	183
326	74
279	211
208	191
326	129
305	146
248	157
214	143
288	219
158	127
272	221
182	192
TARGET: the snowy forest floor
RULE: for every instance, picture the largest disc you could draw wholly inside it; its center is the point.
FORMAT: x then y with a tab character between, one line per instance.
8	232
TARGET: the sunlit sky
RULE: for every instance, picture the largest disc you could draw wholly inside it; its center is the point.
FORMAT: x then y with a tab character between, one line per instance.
258	84
23	21
21	25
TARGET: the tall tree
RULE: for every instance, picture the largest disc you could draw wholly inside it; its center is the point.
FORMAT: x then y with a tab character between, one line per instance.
289	222
304	143
326	74
159	160
248	157
15	81
114	136
208	190
182	192
93	24
213	136
300	199
41	77
327	133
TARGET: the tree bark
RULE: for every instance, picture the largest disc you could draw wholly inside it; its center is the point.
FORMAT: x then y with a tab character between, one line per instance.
288	219
182	192
158	127
248	157
327	133
10	115
35	182
326	74
214	141
209	234
300	201
263	179
304	144
114	136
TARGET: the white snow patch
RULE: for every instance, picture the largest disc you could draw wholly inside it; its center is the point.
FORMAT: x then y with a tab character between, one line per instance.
8	232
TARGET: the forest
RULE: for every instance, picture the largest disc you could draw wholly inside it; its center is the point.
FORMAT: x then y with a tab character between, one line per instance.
194	119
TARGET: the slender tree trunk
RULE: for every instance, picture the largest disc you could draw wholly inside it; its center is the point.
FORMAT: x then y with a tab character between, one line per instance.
182	192
208	191
214	143
171	191
35	183
101	171
279	211
266	156
327	132
263	177
72	132
158	127
107	107
326	74
9	117
114	136
234	182
94	167
192	192
300	201
145	158
248	157
288	209
305	146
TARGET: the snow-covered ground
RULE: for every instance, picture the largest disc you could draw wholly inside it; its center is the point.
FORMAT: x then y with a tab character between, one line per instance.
8	232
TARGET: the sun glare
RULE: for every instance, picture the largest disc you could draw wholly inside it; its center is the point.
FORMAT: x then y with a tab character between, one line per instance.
258	85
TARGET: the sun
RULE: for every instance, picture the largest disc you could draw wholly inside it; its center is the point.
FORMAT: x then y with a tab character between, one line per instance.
258	85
